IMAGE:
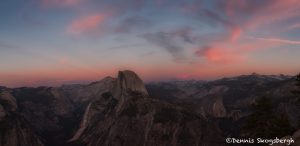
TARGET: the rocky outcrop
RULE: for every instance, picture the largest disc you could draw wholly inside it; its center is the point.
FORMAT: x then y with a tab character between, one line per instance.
235	114
79	94
55	112
2	113
292	112
51	114
119	86
128	82
212	106
295	137
8	101
14	130
83	124
127	116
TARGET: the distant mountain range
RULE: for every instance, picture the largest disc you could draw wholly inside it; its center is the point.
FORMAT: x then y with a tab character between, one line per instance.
123	111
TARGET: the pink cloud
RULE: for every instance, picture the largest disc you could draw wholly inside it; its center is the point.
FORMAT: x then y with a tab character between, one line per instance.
220	55
243	17
228	52
235	34
264	13
259	15
61	3
86	24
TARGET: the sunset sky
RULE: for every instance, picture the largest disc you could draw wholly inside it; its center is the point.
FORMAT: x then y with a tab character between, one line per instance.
53	42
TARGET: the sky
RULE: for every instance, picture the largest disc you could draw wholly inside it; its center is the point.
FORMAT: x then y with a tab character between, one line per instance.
54	42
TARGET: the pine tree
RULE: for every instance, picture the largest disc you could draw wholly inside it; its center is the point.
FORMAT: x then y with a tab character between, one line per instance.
263	123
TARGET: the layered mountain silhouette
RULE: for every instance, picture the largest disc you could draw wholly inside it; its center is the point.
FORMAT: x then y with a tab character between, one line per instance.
123	111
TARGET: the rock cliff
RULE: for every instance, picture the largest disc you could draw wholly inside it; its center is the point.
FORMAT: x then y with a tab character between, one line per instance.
14	130
127	116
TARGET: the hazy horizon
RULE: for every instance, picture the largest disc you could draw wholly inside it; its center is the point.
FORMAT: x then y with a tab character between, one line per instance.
54	42
48	83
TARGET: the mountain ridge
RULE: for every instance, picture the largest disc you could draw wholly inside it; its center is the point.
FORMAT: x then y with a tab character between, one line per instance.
125	111
130	117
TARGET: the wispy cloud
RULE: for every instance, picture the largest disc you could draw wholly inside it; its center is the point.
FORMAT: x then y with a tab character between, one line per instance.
86	24
173	41
166	41
4	46
132	23
294	26
147	54
61	3
256	14
276	40
127	46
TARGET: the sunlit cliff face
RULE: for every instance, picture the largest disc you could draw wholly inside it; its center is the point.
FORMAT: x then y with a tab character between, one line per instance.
51	42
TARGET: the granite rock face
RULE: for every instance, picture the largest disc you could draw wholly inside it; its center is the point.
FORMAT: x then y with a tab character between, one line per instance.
128	116
48	111
55	112
121	111
8	101
14	130
79	94
128	82
213	106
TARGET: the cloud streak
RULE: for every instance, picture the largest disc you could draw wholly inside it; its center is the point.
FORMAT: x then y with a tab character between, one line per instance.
166	41
86	24
173	41
4	46
130	24
127	46
61	3
276	40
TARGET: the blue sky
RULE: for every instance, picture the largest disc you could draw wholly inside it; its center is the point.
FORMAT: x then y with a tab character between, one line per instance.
52	42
